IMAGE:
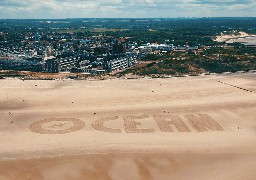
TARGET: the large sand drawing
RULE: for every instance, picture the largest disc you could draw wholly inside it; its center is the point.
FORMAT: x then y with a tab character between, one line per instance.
99	125
131	124
57	126
203	122
175	120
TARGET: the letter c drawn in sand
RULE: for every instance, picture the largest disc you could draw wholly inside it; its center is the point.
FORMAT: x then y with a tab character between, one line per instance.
57	126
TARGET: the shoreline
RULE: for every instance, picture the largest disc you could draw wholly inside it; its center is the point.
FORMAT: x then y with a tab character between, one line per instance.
128	76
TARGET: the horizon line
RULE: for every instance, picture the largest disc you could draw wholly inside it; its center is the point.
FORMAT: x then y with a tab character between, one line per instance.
209	17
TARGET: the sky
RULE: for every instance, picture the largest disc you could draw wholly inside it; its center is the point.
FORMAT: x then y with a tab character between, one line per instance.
34	9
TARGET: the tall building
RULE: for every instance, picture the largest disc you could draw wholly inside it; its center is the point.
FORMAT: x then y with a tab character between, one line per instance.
48	52
119	48
51	65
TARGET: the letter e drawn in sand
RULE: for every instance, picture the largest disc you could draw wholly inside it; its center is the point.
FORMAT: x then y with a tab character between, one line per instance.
131	125
203	122
57	126
99	125
175	120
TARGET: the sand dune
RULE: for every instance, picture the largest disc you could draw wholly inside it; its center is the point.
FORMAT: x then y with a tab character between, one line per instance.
179	128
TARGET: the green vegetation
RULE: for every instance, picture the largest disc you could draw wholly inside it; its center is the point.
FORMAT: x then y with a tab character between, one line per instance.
214	60
189	66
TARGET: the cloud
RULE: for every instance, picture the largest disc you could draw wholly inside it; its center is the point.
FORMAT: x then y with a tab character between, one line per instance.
220	2
124	8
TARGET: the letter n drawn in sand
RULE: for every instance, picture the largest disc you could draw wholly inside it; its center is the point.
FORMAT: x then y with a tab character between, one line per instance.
99	125
203	122
175	120
131	125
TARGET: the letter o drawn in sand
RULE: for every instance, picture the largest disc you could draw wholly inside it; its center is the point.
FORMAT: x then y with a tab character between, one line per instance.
57	126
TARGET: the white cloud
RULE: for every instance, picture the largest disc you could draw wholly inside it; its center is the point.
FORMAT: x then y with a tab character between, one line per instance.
124	8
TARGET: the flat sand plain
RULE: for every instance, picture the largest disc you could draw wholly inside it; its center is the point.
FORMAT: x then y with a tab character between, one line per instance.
177	128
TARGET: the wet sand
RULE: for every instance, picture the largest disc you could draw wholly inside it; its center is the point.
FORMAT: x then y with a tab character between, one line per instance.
178	128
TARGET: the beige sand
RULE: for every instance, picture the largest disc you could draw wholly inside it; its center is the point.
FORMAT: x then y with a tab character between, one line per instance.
179	128
233	37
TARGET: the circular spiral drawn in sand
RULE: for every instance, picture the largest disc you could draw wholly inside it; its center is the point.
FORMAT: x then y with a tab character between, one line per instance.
57	126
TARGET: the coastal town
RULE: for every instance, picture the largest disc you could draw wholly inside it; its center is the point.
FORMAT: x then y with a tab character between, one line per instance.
51	47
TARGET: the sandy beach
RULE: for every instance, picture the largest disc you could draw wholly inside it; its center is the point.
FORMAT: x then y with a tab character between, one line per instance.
236	37
201	127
